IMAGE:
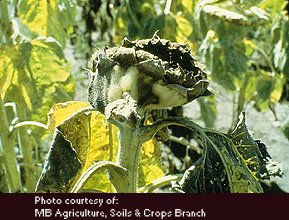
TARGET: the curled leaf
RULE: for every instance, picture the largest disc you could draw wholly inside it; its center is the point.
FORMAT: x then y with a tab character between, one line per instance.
230	162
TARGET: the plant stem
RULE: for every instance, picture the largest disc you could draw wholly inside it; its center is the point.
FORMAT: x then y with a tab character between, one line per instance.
28	165
158	183
185	142
9	156
129	155
123	114
30	123
237	109
168	7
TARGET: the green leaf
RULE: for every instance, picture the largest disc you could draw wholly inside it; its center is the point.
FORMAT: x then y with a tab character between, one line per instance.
281	48
48	18
223	51
273	7
263	88
247	4
20	30
235	60
221	167
219	74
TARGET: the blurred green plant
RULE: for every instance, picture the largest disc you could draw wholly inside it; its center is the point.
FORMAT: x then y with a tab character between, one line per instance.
34	75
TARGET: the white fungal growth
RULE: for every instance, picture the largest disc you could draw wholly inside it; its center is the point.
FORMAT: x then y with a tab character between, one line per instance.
167	96
123	81
129	82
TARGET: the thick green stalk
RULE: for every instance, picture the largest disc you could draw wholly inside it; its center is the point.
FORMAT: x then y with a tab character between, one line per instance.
128	156
9	156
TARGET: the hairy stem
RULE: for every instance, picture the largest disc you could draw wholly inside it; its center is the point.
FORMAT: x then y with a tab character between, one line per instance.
129	155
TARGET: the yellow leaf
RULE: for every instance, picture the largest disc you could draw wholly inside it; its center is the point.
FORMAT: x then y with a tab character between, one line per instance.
189	5
62	111
277	90
91	137
39	24
184	29
184	26
94	140
6	68
151	167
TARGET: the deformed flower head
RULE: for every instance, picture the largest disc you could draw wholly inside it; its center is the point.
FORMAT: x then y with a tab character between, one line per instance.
156	72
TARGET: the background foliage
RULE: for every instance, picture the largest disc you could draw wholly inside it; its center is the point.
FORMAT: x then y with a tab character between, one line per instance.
244	45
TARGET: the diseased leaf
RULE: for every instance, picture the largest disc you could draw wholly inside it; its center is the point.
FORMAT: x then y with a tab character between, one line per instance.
184	29
253	152
35	75
221	167
61	165
62	111
53	18
116	173
264	88
250	86
268	90
89	134
189	5
276	93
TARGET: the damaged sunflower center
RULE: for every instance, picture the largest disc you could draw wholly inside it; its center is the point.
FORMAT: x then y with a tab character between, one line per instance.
155	72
